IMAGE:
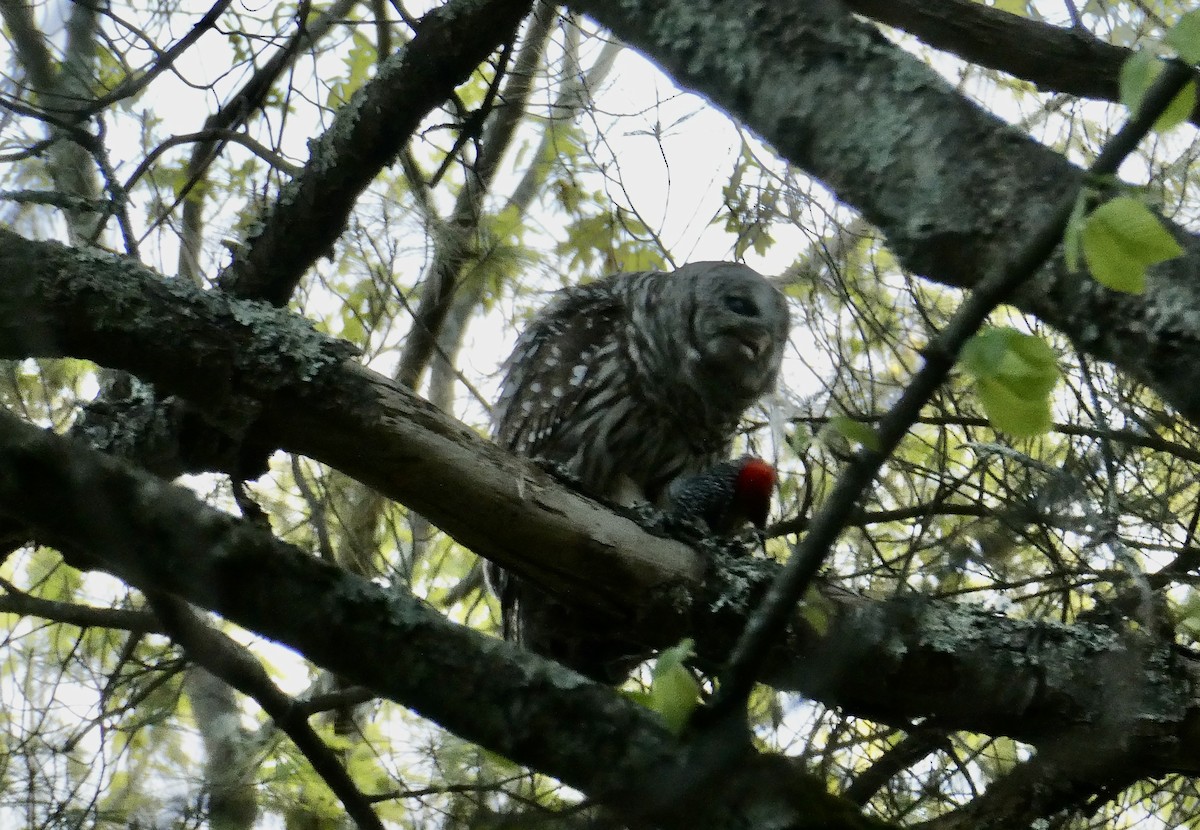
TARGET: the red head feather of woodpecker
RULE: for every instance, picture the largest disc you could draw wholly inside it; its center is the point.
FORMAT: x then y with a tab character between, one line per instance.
725	496
753	489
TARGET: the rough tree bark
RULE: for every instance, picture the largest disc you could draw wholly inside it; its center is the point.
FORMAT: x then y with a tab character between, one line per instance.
264	372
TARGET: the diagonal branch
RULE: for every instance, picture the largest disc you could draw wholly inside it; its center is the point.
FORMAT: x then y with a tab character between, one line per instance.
367	134
486	690
834	515
266	374
1056	59
235	665
1080	768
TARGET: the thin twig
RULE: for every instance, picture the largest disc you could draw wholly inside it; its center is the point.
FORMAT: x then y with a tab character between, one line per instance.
234	664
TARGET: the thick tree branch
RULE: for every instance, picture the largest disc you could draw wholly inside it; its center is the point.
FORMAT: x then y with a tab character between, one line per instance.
1056	59
962	668
267	374
267	377
484	689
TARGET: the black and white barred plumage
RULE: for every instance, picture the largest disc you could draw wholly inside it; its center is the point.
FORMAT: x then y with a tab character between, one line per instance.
632	381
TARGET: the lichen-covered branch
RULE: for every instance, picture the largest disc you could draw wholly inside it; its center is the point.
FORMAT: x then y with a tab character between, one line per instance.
486	690
267	376
269	380
1072	61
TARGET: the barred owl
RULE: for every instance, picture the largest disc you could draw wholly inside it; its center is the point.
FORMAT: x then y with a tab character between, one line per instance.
632	381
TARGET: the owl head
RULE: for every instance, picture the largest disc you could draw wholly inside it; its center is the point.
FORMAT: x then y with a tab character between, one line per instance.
737	327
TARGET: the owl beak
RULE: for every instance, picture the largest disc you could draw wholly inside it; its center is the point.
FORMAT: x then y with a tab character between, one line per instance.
755	344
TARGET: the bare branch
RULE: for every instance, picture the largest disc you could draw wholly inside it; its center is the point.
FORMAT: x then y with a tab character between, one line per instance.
15	601
367	134
235	665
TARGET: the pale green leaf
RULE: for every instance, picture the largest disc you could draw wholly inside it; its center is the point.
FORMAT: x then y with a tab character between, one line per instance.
1029	367
1024	363
1179	110
982	354
674	692
1008	412
1184	37
1187	617
855	431
1015	374
817	610
1121	239
1138	74
1004	755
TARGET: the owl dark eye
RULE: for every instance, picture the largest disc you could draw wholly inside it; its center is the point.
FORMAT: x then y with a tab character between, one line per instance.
740	305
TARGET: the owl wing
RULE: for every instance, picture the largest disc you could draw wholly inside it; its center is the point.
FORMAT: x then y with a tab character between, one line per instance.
563	359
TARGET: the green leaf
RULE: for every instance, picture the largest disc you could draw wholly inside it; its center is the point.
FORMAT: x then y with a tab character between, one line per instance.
674	692
637	696
1024	363
1029	367
1004	756
1121	239
982	353
1184	37
1015	374
1179	110
1008	412
818	611
1138	74
855	431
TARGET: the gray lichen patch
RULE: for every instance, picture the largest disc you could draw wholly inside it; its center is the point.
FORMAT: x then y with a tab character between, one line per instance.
287	341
